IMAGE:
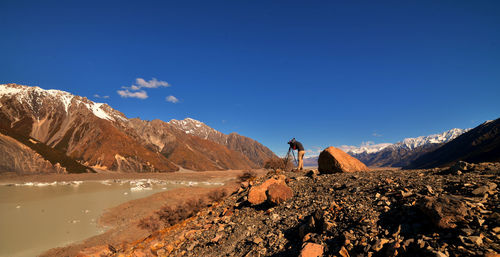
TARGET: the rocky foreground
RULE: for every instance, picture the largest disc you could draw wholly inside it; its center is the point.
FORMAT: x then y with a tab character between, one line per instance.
438	212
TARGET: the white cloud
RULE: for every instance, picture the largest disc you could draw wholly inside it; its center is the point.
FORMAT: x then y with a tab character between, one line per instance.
139	94
171	99
104	96
314	151
137	90
154	83
375	134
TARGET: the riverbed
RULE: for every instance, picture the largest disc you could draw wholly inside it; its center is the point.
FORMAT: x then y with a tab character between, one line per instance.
37	216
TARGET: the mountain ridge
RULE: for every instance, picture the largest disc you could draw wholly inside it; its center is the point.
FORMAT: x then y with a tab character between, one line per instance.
100	137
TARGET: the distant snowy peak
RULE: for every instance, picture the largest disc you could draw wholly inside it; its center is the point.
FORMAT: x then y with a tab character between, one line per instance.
31	96
364	148
412	143
194	127
407	143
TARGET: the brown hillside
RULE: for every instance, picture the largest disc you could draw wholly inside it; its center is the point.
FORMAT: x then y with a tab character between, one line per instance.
115	150
195	153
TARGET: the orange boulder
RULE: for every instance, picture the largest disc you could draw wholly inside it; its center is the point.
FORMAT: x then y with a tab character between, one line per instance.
333	160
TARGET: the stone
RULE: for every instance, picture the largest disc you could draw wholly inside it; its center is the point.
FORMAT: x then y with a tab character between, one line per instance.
379	244
216	238
161	252
439	254
334	160
257	194
392	250
257	240
343	252
328	225
278	193
406	193
482	190
461	166
169	248
477	240
444	210
309	237
311	250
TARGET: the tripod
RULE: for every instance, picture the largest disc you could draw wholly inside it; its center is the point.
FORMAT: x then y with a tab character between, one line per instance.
288	156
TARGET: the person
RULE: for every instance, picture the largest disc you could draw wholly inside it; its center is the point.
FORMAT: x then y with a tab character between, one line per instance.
296	145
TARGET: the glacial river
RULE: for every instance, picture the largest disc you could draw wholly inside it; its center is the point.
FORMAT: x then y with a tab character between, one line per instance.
35	217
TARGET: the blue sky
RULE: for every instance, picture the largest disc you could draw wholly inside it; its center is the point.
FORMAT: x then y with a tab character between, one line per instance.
325	72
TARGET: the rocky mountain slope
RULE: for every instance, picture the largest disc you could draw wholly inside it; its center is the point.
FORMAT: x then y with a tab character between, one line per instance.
440	212
21	159
252	149
187	150
98	137
481	144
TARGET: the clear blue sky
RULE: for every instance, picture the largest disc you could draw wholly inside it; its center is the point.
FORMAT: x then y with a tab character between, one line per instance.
325	72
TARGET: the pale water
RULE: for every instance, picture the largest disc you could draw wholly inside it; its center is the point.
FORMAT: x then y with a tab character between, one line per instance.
35	217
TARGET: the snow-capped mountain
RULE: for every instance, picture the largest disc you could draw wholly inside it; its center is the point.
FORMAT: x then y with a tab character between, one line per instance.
80	135
34	97
414	143
402	153
197	128
481	144
366	147
407	143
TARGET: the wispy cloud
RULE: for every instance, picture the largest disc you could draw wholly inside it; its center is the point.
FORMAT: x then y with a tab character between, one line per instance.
375	134
154	83
104	96
313	151
141	83
138	94
171	99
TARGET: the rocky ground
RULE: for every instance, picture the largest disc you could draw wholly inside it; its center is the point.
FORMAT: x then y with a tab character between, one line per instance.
438	212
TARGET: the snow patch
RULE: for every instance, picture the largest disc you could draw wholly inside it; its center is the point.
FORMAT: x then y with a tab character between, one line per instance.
8	90
66	100
98	111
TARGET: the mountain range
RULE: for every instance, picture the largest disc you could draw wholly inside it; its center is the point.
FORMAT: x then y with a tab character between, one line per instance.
76	135
399	154
404	152
481	144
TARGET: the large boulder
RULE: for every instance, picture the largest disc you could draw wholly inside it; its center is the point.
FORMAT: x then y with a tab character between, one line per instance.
333	160
258	193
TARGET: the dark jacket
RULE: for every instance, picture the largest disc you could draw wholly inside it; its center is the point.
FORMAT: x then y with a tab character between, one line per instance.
296	145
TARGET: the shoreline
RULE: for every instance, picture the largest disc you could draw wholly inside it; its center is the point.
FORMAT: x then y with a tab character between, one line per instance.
121	221
12	178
